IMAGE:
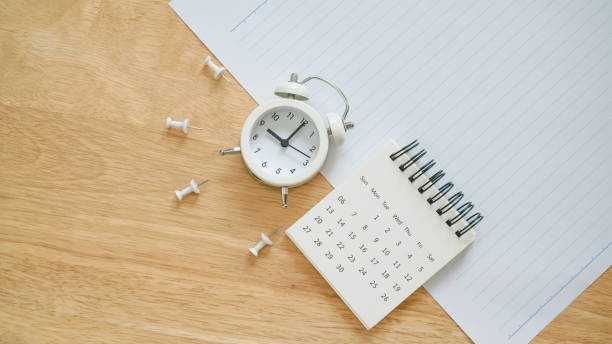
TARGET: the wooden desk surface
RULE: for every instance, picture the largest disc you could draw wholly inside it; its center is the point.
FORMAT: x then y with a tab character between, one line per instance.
93	245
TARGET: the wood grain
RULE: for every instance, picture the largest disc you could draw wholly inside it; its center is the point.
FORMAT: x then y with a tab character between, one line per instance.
93	245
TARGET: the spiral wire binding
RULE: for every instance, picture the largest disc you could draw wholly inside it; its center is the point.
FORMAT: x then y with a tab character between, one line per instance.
403	167
441	192
421	171
462	210
434	179
453	201
406	149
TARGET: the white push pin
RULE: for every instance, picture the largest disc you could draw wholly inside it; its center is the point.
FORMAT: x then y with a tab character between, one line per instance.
219	71
193	187
184	125
265	240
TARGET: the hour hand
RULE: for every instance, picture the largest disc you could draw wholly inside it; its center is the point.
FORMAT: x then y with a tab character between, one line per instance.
274	134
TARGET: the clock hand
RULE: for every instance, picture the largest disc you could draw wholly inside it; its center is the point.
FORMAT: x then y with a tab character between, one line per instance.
296	130
283	142
306	155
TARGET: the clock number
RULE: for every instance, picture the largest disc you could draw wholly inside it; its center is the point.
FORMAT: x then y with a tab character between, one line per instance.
311	134
257	150
318	219
303	121
290	115
264	164
275	117
307	229
351	258
262	122
329	255
340	268
292	170
384	297
386	251
305	162
255	137
363	271
373	284
278	170
313	148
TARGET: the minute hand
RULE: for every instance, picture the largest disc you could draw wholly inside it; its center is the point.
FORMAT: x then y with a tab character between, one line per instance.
306	155
296	130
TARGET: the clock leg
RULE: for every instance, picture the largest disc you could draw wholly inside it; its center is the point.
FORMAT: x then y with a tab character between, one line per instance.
284	194
235	150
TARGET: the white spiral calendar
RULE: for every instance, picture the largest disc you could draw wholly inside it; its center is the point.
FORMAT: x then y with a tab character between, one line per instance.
385	231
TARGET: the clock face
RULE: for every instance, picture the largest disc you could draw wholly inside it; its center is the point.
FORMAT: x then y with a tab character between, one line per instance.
284	142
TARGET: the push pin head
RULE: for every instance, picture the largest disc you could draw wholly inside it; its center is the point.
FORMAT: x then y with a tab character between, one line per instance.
265	240
193	187
184	125
218	70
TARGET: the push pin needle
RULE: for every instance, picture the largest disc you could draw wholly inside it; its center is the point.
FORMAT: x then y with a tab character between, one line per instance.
265	240
193	187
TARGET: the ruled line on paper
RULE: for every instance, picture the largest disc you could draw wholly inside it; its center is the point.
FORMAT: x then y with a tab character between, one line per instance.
546	267
578	254
271	23
499	99
248	15
522	253
559	291
464	273
441	133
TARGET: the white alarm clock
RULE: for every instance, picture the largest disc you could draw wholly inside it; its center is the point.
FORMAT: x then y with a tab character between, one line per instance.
284	142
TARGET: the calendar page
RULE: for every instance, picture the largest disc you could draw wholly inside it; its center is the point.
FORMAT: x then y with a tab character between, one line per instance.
376	239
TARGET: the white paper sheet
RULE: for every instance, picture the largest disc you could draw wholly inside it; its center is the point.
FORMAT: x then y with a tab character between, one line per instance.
513	98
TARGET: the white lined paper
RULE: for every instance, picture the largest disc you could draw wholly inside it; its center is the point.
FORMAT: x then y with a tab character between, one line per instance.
513	99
